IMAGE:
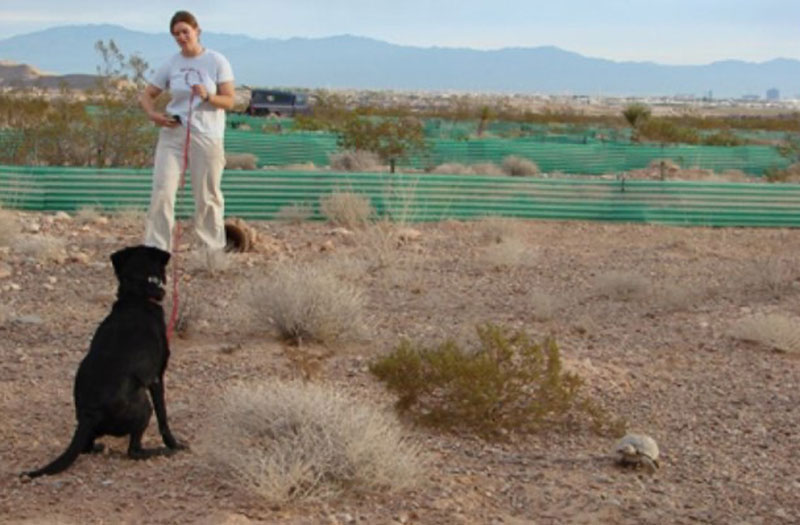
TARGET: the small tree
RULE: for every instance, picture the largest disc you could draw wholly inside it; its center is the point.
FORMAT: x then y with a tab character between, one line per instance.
121	133
392	139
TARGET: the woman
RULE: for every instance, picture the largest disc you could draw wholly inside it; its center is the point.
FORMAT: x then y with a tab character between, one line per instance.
203	79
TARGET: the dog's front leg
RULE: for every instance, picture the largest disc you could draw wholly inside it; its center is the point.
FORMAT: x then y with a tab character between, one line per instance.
157	393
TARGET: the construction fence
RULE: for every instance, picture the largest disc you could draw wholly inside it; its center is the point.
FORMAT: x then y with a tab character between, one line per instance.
262	194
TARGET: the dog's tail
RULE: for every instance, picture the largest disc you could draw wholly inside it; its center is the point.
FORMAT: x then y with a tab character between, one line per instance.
80	440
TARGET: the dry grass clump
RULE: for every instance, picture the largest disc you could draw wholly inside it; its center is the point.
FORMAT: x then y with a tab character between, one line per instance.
772	276
773	330
293	441
509	253
307	302
542	307
240	161
130	216
9	230
89	215
347	209
295	213
355	161
497	229
519	166
42	248
623	286
678	297
487	169
507	383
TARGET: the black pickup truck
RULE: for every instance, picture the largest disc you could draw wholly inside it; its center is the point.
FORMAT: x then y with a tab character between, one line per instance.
278	103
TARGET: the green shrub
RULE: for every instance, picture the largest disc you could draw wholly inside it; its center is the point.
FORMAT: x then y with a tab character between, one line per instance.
507	384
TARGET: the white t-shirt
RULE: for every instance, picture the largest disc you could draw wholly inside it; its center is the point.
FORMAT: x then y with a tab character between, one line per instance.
179	73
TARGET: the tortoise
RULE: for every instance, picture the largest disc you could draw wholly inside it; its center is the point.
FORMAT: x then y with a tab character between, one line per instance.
637	450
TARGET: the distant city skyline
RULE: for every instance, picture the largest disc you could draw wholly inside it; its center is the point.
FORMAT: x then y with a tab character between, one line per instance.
662	31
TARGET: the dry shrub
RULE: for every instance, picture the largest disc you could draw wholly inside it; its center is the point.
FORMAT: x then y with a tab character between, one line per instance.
88	215
452	168
507	383
130	216
772	276
773	330
42	248
509	253
456	168
300	166
9	230
295	213
488	169
543	307
293	441
519	166
307	302
355	161
347	209
623	286
240	161
497	229
678	297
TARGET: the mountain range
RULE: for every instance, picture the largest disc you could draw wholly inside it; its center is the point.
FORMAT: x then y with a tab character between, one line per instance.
348	61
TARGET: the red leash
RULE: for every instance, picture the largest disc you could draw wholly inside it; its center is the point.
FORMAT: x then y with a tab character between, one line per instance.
176	237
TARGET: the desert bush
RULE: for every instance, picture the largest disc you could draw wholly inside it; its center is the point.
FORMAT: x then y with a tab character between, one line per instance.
622	286
456	168
722	138
347	209
130	216
391	138
776	331
88	214
509	253
451	168
295	213
305	302
507	383
542	307
489	169
293	441
667	131
519	166
495	230
240	161
9	230
355	161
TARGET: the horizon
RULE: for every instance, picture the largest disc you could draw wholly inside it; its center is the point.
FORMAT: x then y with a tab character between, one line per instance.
676	32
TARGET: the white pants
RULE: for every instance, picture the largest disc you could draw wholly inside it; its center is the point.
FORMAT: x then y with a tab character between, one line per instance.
206	162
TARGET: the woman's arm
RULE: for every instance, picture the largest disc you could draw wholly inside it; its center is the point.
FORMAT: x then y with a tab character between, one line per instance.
147	101
224	98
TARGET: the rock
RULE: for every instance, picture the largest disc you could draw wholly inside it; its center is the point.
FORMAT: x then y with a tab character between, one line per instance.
327	246
5	271
342	232
31	227
79	257
62	216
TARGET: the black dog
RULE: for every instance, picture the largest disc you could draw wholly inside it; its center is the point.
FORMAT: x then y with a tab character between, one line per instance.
127	358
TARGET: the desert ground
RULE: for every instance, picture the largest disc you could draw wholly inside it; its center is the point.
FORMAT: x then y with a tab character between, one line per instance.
661	322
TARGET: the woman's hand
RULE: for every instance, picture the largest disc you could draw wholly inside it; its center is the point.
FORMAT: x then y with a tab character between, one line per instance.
164	121
200	91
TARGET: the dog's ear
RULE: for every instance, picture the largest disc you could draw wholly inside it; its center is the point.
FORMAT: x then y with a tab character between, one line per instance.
119	258
159	255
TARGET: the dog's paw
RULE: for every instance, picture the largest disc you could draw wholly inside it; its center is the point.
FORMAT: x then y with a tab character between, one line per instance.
174	444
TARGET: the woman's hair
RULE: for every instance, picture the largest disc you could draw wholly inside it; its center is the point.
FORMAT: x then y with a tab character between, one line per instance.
182	16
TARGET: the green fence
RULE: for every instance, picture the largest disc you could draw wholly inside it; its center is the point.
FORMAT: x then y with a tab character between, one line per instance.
592	158
422	197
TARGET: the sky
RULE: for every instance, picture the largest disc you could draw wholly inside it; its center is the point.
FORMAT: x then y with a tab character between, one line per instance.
662	31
